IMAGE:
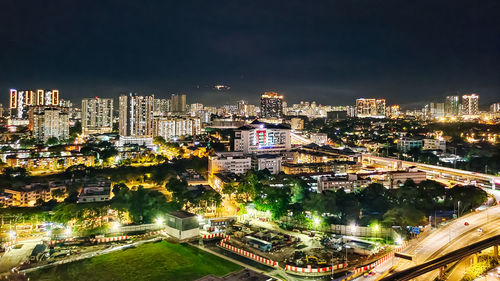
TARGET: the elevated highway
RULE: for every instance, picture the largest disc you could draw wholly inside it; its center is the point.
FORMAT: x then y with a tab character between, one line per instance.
440	262
485	179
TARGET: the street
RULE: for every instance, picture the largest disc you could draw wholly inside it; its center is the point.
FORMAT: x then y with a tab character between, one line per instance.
448	238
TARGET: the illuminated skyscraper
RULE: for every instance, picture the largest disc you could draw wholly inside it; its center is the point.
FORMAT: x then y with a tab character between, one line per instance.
470	104
136	115
271	105
49	121
97	116
178	103
370	108
452	106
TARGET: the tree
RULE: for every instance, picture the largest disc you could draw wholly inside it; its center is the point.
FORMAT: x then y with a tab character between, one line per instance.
403	217
52	141
469	196
375	198
348	205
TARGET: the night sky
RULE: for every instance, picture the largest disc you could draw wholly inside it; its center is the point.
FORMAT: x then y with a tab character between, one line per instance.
409	52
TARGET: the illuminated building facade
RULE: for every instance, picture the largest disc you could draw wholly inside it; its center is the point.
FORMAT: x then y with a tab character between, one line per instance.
136	115
452	106
47	122
175	127
370	108
470	104
271	105
261	138
97	116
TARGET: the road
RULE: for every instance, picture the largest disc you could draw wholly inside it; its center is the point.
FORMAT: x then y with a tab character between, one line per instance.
448	238
17	254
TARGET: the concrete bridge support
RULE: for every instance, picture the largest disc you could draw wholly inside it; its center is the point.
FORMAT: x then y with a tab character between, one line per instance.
442	271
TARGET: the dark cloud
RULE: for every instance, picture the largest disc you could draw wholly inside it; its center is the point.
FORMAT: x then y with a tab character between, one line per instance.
329	51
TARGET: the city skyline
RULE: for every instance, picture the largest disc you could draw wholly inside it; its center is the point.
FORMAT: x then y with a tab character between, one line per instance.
406	54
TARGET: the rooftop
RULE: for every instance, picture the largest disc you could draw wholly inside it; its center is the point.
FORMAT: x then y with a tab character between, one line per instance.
181	214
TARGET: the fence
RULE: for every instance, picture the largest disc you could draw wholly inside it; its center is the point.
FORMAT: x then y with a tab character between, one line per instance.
362	231
247	254
309	269
133	228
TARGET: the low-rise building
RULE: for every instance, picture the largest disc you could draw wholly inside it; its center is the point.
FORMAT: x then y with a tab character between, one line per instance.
136	140
95	191
182	225
234	162
397	178
29	195
49	162
406	145
271	162
434	144
338	167
348	183
319	138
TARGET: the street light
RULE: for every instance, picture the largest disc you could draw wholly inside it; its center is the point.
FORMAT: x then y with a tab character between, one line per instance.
353	228
199	218
68	231
316	221
159	221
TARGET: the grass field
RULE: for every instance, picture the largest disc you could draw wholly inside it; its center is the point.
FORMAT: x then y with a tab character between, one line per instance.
154	261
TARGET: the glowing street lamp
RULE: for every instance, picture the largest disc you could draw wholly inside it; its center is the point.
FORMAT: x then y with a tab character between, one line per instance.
199	218
398	240
353	228
316	221
115	226
159	221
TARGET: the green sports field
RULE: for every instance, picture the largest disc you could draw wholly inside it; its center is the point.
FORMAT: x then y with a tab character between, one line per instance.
154	261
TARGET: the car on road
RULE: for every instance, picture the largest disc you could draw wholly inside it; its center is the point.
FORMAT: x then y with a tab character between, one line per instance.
466	223
479	230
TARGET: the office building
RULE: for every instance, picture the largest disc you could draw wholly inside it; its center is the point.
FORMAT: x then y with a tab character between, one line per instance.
136	115
261	138
452	106
47	122
370	108
271	162
232	162
172	127
271	105
178	103
97	116
470	104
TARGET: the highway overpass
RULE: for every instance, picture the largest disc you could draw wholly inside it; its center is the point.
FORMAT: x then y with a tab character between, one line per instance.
415	271
468	176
